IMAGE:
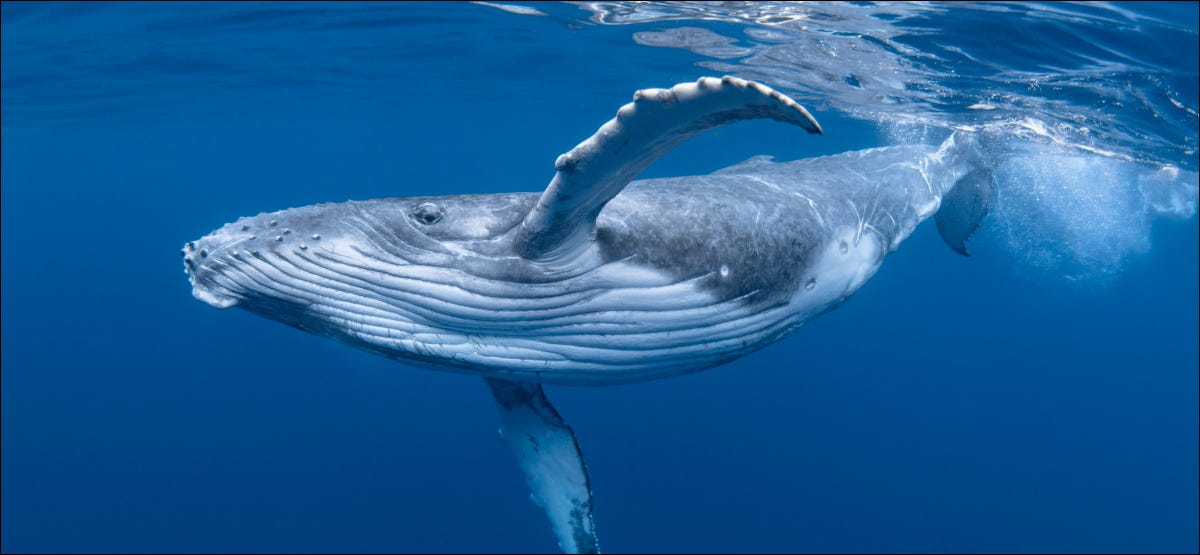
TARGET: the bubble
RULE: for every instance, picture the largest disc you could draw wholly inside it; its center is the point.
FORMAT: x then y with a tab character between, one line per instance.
1082	216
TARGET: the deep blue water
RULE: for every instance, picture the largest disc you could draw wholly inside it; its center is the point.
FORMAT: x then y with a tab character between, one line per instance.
1038	396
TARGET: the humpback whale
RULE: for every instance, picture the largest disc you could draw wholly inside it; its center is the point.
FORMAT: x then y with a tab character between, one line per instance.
599	279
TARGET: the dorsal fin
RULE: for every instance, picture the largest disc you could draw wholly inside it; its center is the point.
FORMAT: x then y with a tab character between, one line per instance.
656	121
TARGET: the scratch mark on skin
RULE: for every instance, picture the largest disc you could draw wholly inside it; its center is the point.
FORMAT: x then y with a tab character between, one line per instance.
765	183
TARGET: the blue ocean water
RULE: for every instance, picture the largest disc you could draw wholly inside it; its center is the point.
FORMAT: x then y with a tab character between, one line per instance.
1041	395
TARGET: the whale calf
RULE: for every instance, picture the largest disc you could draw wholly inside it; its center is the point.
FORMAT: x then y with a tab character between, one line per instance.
599	279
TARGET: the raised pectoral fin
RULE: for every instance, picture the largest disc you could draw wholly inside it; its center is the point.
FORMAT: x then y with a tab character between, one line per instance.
656	121
550	457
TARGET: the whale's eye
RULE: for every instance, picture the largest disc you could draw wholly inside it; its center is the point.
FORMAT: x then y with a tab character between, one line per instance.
427	214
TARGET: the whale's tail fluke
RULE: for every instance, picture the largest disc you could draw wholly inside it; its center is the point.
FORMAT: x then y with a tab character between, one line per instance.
967	197
964	207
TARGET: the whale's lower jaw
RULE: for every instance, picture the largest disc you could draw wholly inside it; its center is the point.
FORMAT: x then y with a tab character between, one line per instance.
616	323
593	334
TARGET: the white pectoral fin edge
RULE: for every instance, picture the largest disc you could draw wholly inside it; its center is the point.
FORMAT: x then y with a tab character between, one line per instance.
656	121
550	457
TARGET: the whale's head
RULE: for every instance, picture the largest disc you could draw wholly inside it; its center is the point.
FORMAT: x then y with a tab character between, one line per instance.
376	248
419	278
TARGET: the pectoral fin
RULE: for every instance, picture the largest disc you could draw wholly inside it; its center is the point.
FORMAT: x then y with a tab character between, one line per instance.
657	120
550	457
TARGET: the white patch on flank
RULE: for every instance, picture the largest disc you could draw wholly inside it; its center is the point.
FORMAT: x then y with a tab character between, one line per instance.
836	274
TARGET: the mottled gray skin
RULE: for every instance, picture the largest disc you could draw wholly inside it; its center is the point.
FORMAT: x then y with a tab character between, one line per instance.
756	217
750	236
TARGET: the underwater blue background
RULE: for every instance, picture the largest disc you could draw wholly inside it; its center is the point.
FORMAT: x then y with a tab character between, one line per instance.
1040	395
